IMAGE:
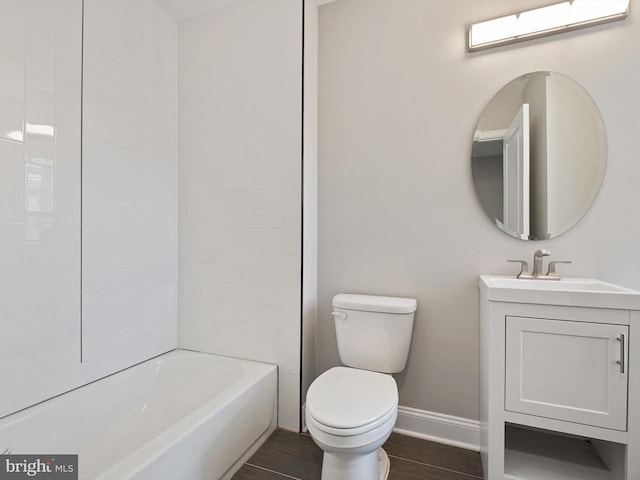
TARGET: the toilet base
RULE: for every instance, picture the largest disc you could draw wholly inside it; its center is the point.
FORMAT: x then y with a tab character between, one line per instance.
372	466
384	464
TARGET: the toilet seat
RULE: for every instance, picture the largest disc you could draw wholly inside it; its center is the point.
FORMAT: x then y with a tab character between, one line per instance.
313	423
350	441
347	401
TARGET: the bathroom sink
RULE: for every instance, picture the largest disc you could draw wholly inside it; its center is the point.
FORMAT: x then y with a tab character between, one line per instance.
586	292
568	284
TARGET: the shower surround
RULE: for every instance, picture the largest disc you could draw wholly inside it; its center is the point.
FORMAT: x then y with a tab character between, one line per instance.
123	129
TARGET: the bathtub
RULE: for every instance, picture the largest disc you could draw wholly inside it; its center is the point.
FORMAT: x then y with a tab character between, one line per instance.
180	416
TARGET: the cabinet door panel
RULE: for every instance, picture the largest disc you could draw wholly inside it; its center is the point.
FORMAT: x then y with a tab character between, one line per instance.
567	371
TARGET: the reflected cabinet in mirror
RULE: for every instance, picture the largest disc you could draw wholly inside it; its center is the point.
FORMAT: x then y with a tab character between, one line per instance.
539	155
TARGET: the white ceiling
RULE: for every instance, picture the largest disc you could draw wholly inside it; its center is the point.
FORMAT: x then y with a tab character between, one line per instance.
181	9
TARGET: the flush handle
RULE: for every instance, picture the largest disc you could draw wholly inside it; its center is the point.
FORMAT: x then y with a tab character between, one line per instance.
339	315
621	361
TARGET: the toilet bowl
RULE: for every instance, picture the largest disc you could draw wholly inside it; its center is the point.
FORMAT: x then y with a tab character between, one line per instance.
350	413
351	410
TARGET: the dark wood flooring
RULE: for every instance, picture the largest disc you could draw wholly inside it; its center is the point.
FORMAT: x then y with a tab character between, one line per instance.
288	455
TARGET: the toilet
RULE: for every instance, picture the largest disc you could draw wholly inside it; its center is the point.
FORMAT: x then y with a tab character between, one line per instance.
351	409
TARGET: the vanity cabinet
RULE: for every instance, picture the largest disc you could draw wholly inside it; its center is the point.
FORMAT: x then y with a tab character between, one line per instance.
559	383
567	370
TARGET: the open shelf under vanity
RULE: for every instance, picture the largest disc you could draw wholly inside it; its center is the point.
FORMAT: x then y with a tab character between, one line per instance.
540	455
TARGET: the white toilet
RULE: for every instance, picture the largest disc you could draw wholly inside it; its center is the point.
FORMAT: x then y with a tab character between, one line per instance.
350	411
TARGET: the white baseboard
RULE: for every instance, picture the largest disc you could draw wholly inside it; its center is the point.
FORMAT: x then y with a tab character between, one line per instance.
438	427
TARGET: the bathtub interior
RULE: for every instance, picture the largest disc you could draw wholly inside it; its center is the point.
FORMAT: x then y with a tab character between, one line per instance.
146	408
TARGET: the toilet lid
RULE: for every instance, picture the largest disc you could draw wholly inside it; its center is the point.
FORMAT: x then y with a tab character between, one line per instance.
349	398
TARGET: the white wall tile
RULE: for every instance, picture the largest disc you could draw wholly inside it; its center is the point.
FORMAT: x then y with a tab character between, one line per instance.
289	401
292	178
40	280
67	260
12	29
30	276
36	271
12	325
12	181
237	222
12	282
292	223
251	340
40	44
129	181
12	235
67	118
264	217
39	185
67	323
292	286
131	297
291	332
67	188
266	178
39	203
39	126
68	42
236	273
12	111
46	6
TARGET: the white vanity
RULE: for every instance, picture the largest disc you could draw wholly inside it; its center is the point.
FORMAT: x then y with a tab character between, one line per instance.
559	379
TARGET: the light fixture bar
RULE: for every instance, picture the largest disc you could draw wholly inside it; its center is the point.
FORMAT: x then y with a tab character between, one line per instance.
557	18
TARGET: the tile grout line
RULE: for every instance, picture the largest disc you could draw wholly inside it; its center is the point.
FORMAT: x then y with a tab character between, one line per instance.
272	471
470	475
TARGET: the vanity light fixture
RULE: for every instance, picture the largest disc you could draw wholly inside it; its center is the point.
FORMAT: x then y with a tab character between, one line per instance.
557	18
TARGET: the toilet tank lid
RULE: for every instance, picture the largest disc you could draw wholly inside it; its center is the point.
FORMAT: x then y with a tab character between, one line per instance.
374	303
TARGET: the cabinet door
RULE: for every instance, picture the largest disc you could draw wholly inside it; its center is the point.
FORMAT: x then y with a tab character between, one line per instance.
565	370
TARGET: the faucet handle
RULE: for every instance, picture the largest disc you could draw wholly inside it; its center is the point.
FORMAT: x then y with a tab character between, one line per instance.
524	268
551	272
542	253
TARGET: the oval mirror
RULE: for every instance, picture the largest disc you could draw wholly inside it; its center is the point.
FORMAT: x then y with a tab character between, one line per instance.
539	155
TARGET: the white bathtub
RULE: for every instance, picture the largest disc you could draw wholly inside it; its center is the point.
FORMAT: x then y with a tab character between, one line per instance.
181	416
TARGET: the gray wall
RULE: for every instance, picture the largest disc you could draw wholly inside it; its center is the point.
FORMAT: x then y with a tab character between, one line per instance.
399	99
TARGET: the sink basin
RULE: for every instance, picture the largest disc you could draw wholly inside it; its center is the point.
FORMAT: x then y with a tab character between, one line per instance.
586	292
568	284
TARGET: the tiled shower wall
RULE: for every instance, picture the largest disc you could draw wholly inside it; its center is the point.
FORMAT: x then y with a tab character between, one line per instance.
241	87
40	72
129	178
130	214
240	91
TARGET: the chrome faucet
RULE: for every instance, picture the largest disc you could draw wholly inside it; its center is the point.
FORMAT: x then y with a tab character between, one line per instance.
537	262
538	267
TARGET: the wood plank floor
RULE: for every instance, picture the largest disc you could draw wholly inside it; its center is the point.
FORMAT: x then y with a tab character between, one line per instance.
287	455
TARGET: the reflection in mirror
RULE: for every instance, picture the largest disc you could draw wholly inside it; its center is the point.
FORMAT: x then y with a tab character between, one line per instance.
538	156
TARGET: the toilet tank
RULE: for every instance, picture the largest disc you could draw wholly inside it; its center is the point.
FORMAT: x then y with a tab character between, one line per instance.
373	332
